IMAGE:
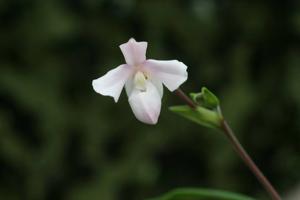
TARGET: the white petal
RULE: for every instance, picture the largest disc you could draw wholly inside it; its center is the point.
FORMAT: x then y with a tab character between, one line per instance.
146	105
129	86
112	83
158	84
134	52
171	73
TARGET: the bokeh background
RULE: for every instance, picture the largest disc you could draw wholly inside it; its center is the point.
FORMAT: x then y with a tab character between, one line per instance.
61	140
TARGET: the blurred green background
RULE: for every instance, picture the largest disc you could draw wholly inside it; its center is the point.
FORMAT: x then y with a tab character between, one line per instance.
61	140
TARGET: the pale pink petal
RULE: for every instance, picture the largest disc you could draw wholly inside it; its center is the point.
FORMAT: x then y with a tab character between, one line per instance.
129	86
134	52
112	83
159	86
146	104
171	73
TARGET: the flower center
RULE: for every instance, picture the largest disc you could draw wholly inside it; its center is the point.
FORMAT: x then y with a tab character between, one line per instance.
140	81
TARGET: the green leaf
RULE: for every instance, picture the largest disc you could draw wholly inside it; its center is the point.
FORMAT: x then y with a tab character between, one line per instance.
200	115
201	194
205	98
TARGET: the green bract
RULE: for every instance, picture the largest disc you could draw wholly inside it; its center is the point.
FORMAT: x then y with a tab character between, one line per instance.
207	112
200	115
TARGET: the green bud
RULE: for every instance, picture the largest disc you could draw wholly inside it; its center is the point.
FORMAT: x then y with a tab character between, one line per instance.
205	98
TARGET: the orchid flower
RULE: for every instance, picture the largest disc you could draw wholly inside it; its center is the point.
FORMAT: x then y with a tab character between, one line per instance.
143	80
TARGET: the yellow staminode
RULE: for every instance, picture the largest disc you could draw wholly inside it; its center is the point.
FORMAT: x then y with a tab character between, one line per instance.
140	81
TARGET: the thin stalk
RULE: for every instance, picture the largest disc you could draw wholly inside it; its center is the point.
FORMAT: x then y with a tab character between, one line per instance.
185	98
239	149
249	162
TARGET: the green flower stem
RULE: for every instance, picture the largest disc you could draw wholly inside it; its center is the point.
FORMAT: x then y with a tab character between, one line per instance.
238	148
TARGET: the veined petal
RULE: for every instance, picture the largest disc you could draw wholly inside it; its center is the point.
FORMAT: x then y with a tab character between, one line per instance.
112	83
134	52
171	73
146	104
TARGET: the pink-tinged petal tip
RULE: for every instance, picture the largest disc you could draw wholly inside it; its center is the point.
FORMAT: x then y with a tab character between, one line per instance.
146	104
134	52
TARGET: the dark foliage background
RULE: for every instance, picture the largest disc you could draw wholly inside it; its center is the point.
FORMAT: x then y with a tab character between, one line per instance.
60	140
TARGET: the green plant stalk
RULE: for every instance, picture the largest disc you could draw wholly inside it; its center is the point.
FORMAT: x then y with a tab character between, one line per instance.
238	148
